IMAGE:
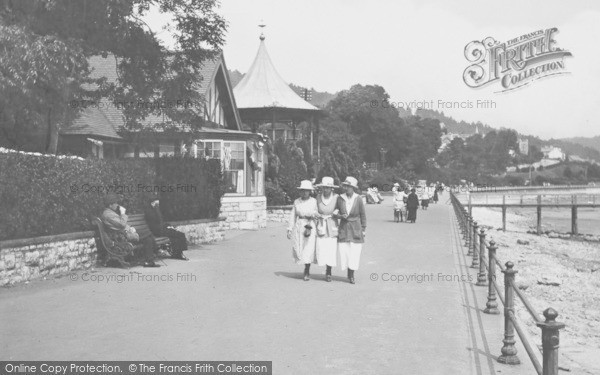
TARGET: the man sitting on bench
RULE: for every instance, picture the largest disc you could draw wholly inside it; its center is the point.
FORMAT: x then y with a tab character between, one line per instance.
115	222
160	228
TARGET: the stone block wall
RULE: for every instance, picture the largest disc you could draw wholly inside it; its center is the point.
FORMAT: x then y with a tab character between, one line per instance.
243	212
202	231
279	214
31	258
27	259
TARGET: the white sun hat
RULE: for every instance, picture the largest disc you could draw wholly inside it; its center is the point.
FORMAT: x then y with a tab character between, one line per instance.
305	185
327	182
351	181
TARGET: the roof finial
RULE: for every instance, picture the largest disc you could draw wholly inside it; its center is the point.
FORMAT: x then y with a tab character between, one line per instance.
262	25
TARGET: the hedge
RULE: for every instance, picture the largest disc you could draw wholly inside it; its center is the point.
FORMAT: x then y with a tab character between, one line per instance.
191	188
41	195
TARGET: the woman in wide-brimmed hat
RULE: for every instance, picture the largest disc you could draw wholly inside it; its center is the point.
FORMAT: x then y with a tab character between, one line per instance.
327	226
352	228
302	227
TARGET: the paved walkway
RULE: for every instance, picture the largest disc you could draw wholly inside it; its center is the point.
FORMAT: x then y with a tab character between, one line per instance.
244	299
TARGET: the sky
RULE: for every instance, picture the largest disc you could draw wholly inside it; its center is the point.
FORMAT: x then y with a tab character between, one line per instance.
415	50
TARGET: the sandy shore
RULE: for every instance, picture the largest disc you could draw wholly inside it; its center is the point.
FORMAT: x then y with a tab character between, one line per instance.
574	265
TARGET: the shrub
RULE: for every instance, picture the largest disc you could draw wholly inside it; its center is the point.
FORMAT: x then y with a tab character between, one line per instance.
292	170
189	188
42	195
276	196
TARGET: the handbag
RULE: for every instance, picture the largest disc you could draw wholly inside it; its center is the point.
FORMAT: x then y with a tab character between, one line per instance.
307	230
321	228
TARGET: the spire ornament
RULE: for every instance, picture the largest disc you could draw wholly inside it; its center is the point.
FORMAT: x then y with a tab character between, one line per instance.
262	25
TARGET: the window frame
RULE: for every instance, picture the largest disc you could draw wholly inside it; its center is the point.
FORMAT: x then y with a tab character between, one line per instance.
222	153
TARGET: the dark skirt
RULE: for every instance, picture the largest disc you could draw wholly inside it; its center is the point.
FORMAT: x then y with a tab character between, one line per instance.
178	241
412	214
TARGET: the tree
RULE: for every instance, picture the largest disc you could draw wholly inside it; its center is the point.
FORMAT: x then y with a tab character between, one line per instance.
46	45
372	120
568	173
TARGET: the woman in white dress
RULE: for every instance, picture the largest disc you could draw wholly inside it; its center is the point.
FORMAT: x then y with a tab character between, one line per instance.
399	204
302	228
327	226
352	228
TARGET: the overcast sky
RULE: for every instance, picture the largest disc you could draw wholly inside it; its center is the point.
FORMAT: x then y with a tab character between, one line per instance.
415	50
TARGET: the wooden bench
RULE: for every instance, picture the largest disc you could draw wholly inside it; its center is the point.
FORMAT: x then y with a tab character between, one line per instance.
114	253
138	221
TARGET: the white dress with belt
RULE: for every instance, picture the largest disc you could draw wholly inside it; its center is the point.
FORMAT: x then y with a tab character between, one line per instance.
303	248
328	231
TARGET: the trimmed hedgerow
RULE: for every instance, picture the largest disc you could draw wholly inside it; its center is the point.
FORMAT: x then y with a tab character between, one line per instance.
41	195
189	188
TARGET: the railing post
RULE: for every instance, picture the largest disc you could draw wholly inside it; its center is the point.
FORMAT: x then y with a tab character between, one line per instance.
491	306
469	235
475	262
574	229
481	276
504	213
470	208
539	214
550	341
463	217
509	352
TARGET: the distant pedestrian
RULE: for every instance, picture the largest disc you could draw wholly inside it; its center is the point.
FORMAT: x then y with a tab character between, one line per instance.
352	228
425	198
412	205
435	195
327	226
399	203
302	227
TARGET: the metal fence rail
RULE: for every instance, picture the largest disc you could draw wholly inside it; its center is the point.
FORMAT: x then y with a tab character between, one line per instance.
476	244
539	201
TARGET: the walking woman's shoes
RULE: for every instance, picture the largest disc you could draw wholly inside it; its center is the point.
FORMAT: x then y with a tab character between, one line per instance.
306	272
328	278
351	276
328	274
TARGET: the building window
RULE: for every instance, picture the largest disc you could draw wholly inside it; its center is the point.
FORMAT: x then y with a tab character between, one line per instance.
166	149
234	165
233	161
146	151
211	149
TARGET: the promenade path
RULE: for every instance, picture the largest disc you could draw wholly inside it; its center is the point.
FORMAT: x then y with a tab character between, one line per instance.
244	299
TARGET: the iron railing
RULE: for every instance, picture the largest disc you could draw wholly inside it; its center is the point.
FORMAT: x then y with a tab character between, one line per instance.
476	244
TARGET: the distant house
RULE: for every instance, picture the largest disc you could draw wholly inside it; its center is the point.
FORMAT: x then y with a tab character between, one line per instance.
552	152
446	139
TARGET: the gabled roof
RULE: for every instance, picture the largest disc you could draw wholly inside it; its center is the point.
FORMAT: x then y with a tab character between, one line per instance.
263	87
105	120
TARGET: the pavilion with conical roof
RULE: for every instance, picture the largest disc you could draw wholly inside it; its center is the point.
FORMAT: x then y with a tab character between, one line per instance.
263	97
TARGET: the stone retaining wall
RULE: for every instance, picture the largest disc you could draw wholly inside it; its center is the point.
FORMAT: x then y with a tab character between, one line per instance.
279	214
202	230
243	212
30	258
